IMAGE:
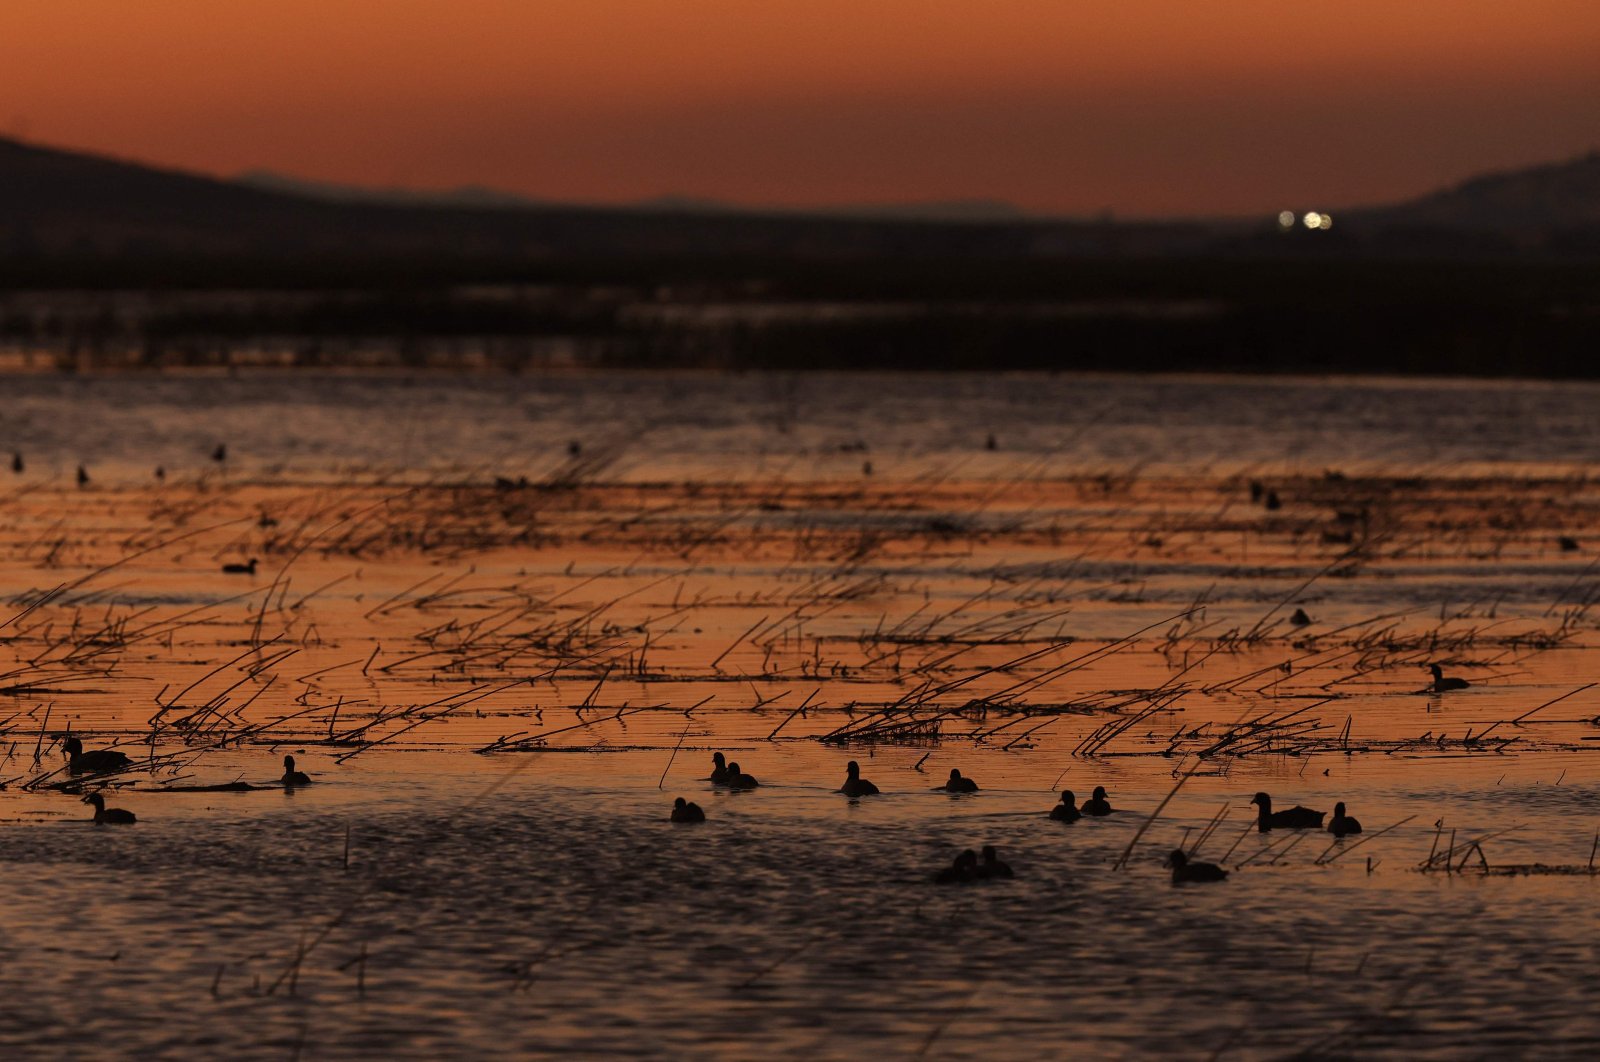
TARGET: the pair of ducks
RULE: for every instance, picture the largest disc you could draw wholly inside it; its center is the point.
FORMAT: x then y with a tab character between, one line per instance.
1299	818
967	868
1069	811
728	775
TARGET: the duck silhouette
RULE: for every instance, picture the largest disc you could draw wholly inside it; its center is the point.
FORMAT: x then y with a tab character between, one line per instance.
992	867
1440	683
957	784
1067	810
1342	825
1295	818
1185	872
737	779
854	784
95	762
1097	804
964	868
719	769
292	776
684	811
247	568
103	814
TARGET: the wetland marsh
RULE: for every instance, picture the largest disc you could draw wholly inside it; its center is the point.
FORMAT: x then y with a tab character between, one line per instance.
502	621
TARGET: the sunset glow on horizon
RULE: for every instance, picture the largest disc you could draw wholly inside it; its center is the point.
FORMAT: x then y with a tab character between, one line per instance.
1148	107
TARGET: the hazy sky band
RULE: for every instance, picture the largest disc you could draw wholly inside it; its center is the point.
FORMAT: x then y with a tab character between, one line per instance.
1138	106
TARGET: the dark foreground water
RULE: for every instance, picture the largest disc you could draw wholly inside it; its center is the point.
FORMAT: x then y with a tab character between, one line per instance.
502	916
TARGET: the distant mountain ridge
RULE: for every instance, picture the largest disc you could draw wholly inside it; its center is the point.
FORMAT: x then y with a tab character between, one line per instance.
69	207
1553	196
473	196
1534	199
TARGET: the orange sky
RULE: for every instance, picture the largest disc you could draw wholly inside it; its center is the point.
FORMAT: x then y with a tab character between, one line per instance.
1140	106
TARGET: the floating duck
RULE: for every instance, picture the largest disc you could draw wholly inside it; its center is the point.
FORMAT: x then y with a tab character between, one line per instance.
854	784
1067	810
719	769
292	776
685	811
96	762
1295	818
1097	804
964	868
247	568
1440	683
1185	872
992	867
1342	825
737	779
957	784
103	814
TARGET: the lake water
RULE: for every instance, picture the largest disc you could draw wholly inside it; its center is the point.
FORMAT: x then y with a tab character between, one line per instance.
501	655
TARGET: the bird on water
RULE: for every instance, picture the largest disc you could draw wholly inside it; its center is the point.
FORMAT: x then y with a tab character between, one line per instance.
686	811
95	762
737	779
16	463
854	784
103	814
1097	804
1185	872
957	784
1440	683
1067	810
1295	818
719	769
83	476
964	868
292	776
1342	825
247	568
992	867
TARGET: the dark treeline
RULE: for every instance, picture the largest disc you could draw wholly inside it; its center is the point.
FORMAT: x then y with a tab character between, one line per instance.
1480	317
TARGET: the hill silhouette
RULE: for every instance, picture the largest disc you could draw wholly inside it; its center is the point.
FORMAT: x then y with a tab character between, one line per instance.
77	210
62	205
473	196
1538	200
